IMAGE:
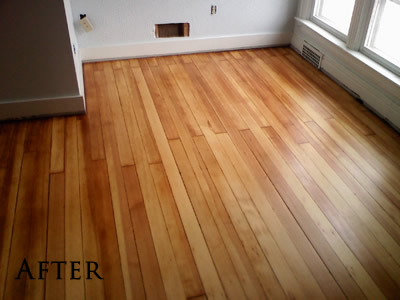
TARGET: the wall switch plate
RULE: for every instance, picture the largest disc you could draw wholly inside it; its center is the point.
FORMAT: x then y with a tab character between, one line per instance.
213	9
86	24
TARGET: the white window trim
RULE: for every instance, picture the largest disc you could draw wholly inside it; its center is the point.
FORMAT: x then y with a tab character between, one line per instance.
359	26
376	55
325	24
321	22
380	59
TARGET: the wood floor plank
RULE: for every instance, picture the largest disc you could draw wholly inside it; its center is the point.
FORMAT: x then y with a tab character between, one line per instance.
326	97
55	288
181	106
336	242
100	205
244	174
191	153
245	266
367	161
5	132
30	224
379	245
312	211
134	63
213	238
262	64
57	146
249	118
183	254
217	89
183	59
271	286
130	101
367	200
117	118
203	113
336	267
153	285
233	134
243	101
116	64
262	96
293	285
93	116
162	109
336	97
73	221
202	256
168	266
165	60
340	223
385	149
386	200
124	231
101	229
369	221
348	142
9	183
152	280
369	169
268	94
20	247
278	232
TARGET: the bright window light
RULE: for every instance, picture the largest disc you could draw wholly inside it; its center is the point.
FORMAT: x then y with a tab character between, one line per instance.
335	13
384	33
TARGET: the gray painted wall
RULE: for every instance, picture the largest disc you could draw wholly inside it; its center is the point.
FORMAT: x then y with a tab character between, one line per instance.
36	60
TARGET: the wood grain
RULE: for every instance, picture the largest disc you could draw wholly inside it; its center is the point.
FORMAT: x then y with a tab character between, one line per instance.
242	174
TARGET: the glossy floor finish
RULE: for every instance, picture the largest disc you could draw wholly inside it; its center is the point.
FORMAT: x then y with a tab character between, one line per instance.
233	175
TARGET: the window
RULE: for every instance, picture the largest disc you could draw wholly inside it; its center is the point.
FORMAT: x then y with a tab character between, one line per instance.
369	26
383	37
335	14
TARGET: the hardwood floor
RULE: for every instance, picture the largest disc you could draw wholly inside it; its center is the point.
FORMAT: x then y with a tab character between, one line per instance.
232	175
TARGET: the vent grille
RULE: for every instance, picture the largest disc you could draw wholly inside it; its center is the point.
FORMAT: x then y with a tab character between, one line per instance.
312	55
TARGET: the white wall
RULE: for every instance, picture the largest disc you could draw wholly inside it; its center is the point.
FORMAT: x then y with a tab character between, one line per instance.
126	22
74	45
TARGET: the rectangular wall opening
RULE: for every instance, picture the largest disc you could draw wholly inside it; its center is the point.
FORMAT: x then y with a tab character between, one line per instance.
172	30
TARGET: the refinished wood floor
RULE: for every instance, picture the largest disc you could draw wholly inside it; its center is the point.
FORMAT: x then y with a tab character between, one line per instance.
234	175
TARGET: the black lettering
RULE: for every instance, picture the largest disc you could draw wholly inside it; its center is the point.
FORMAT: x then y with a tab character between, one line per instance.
26	269
73	269
42	269
92	271
58	263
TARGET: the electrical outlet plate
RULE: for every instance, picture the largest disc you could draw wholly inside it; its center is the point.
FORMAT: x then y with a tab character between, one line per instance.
213	9
86	24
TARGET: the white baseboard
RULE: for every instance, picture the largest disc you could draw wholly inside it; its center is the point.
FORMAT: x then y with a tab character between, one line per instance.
35	108
184	45
379	89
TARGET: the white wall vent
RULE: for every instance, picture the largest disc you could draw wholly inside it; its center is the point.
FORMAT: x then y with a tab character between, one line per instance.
312	55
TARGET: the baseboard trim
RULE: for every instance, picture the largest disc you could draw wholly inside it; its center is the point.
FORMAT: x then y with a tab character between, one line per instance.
184	46
36	108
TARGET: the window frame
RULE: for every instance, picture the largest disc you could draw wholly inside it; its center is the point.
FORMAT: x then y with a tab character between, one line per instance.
360	24
321	22
376	55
